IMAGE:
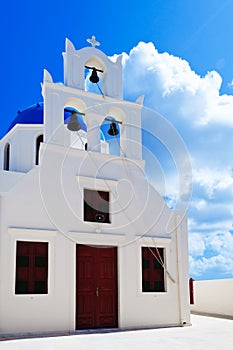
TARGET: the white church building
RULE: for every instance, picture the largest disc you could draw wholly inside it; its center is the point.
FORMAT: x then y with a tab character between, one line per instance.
85	240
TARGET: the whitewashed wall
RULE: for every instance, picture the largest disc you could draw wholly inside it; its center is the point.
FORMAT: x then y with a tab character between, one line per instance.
214	297
34	209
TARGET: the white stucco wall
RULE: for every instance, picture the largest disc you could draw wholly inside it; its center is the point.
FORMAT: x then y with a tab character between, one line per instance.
22	140
213	297
42	207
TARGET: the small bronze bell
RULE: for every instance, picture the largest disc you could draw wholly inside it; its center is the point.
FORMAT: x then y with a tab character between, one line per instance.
94	76
113	131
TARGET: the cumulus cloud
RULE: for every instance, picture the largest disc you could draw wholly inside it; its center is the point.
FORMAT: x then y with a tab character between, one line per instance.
211	255
171	85
214	181
211	268
196	245
204	119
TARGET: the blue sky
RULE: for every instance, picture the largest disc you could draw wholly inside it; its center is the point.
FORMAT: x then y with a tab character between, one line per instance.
179	54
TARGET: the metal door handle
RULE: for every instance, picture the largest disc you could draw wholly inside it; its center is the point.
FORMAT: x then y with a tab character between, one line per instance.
97	291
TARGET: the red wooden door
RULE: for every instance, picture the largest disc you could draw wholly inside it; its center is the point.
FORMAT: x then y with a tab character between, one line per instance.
96	287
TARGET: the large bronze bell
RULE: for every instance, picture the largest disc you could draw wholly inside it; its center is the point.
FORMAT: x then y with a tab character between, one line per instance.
73	123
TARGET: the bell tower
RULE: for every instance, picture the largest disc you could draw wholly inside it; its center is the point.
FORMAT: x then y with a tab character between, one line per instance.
75	62
93	91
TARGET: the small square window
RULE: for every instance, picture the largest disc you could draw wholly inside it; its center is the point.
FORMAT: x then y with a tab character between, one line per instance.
153	270
96	206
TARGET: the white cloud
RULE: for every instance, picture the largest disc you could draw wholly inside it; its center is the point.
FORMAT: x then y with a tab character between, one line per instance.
211	254
196	245
213	180
172	85
204	119
217	266
209	227
221	243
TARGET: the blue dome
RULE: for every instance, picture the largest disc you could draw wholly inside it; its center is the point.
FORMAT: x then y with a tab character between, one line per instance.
35	115
31	115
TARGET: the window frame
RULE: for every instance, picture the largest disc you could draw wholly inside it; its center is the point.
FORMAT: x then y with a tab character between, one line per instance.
35	273
91	210
151	272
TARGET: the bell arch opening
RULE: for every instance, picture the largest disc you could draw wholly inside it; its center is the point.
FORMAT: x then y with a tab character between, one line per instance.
110	127
94	72
76	128
93	81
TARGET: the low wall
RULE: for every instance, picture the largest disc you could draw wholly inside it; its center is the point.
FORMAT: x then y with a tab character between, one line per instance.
213	297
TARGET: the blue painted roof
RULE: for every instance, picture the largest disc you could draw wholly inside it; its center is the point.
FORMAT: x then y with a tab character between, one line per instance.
31	115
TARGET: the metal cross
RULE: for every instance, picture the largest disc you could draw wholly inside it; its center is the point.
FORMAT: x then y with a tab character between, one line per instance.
93	42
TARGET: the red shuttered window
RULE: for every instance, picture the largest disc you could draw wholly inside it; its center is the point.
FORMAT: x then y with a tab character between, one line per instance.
152	269
31	268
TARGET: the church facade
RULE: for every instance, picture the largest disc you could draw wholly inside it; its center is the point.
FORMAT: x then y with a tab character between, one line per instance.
85	240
